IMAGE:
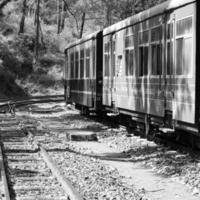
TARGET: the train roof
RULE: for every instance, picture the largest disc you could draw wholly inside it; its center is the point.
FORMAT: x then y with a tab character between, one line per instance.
156	10
84	39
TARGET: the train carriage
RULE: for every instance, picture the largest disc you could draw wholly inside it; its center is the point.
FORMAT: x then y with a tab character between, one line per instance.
150	65
83	72
144	68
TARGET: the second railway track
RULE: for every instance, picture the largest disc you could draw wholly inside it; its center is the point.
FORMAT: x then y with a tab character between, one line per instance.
31	174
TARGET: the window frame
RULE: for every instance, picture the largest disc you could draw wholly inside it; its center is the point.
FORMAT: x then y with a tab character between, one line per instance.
72	65
94	57
82	60
143	45
113	55
129	33
184	36
107	72
159	43
171	41
76	64
87	58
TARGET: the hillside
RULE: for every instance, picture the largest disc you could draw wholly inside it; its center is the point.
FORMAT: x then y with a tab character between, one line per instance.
60	22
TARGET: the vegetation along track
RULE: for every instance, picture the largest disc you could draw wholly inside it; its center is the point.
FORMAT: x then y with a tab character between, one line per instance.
31	173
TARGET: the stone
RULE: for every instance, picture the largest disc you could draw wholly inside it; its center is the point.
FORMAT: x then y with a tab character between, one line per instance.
80	135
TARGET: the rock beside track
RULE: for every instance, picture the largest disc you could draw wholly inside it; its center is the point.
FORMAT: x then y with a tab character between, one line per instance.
80	135
183	167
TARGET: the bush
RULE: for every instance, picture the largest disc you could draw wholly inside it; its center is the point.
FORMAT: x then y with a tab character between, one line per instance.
11	63
26	68
47	80
8	86
25	44
48	60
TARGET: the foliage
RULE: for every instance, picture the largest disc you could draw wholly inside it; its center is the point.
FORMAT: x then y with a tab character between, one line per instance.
74	17
49	60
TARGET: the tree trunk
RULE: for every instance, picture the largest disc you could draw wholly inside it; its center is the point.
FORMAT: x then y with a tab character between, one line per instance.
59	7
64	9
82	25
37	30
22	22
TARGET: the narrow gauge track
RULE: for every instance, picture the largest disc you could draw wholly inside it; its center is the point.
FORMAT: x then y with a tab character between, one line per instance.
30	172
9	105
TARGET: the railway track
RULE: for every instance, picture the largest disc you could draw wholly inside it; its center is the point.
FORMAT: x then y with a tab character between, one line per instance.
30	172
9	105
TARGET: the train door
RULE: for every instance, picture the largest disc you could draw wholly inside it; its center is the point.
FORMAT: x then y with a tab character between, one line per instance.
152	46
109	89
107	100
181	80
113	69
169	63
65	74
93	79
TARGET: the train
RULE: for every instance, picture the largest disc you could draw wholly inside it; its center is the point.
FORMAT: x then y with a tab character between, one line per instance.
145	69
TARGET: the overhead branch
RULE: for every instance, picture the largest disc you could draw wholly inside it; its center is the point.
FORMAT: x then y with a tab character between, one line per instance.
68	9
82	25
71	13
4	3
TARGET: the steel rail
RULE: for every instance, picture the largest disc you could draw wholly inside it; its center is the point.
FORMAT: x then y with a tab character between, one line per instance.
29	97
3	176
67	186
34	100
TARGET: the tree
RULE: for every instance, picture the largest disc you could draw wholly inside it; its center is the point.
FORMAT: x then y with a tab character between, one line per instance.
22	22
77	9
2	5
37	20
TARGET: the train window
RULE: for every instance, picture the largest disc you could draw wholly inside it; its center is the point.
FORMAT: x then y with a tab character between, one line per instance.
169	57
107	58
156	34
143	59
156	51
144	37
129	41
113	55
94	59
129	56
129	52
76	63
87	62
143	53
66	66
82	55
183	56
184	26
170	31
156	65
184	46
72	64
